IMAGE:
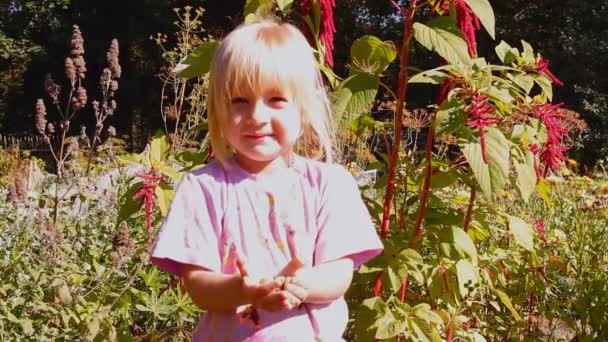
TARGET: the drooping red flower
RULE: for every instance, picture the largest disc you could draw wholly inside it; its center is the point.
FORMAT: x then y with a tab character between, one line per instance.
552	151
479	111
466	20
468	23
327	29
542	67
146	193
540	228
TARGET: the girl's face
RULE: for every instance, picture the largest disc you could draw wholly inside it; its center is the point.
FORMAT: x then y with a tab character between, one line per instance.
262	126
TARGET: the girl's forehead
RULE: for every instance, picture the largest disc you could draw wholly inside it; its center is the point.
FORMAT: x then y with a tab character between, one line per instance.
260	85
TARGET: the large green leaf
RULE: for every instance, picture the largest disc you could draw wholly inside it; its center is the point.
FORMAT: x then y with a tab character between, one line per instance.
504	298
374	319
467	277
407	261
284	5
506	53
465	243
371	55
442	36
255	8
526	176
159	148
425	312
544	82
491	177
129	206
164	195
524	236
483	11
197	63
429	76
450	116
524	81
543	187
355	95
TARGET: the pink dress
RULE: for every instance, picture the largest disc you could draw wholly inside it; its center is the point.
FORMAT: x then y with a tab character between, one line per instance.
219	211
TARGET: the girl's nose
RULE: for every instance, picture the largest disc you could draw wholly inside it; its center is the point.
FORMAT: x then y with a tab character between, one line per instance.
260	112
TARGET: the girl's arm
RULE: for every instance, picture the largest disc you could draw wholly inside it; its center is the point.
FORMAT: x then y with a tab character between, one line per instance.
219	292
319	284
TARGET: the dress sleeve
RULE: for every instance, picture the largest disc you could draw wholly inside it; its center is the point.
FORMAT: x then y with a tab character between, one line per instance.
345	226
190	233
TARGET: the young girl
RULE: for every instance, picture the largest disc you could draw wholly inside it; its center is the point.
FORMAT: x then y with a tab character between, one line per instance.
266	240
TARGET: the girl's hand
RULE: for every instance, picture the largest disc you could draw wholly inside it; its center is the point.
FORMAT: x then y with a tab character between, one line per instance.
266	295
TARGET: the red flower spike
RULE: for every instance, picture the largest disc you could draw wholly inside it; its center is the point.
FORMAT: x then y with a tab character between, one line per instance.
552	152
146	193
327	29
468	23
539	225
466	20
479	118
542	67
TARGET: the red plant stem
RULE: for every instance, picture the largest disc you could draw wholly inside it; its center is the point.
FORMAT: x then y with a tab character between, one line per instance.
378	284
424	197
401	93
448	338
469	216
403	289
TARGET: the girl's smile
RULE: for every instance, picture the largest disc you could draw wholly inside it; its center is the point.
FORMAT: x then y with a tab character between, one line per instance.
262	126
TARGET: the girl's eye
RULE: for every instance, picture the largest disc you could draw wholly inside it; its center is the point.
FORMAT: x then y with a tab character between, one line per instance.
239	100
276	99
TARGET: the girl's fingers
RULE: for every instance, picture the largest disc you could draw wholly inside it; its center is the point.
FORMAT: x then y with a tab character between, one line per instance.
242	268
294	289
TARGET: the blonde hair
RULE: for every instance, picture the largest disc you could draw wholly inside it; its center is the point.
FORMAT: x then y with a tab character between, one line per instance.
270	54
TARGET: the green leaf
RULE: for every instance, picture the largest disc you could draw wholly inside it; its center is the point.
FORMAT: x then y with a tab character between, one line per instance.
502	49
524	236
430	76
467	277
169	171
131	158
483	10
355	95
491	177
129	205
504	298
164	195
506	53
372	319
543	188
159	148
544	82
444	179
425	312
464	242
528	53
442	36
255	8
450	116
197	63
284	5
524	81
361	123
371	55
526	176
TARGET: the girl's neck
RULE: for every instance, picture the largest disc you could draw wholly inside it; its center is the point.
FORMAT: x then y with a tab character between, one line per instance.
265	168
